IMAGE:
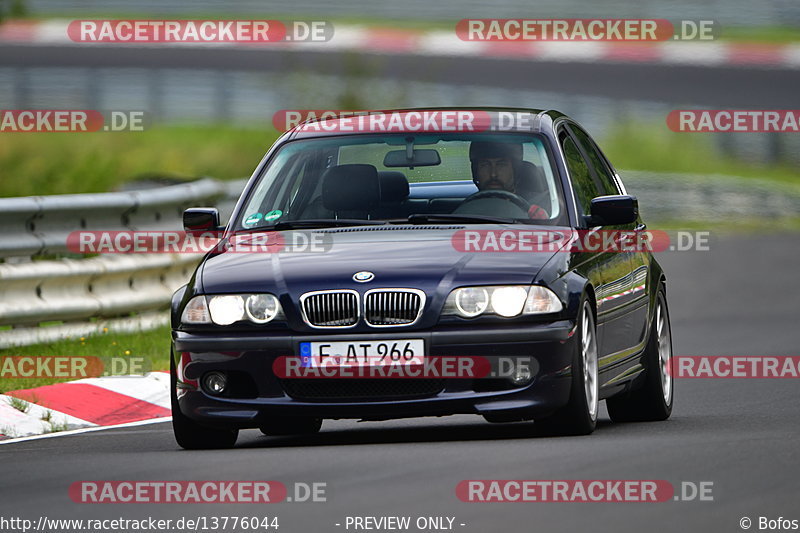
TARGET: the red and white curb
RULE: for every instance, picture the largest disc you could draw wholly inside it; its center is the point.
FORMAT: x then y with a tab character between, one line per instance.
86	403
447	44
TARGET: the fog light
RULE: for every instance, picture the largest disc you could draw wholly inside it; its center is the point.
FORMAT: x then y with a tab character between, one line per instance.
522	374
215	382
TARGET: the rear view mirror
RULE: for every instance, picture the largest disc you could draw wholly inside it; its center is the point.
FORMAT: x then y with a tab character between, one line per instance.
613	210
419	158
201	219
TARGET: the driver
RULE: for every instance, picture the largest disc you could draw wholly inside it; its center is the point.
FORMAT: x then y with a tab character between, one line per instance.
495	166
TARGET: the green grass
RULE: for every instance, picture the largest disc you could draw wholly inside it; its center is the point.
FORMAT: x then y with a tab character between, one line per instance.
53	163
653	147
20	405
62	163
152	346
738	226
761	34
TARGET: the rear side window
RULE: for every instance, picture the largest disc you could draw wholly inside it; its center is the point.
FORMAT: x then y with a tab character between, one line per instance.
601	170
582	182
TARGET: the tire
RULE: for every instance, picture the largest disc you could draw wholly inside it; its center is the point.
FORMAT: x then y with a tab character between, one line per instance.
282	426
189	434
579	416
653	401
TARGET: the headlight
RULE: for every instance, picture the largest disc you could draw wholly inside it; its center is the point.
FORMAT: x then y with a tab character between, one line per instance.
196	311
471	301
542	300
226	309
261	308
508	301
505	301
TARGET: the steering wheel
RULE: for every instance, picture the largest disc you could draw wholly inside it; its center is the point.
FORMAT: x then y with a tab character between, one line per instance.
515	199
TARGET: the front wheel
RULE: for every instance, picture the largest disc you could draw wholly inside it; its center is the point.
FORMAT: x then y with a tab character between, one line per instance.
579	416
189	434
653	401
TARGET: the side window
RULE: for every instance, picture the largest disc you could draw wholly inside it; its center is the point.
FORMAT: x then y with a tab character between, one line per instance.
601	170
582	182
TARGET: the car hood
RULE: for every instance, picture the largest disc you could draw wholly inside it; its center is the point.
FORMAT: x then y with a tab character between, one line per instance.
428	258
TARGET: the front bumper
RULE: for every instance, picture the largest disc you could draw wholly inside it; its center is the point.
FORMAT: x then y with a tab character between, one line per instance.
260	395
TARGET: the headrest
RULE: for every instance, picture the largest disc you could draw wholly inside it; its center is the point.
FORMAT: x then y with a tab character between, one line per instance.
530	179
351	188
494	150
394	186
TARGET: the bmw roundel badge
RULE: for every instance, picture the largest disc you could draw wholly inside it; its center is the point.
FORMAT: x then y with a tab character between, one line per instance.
363	276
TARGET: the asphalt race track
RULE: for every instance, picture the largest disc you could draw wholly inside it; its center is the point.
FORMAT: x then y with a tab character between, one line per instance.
750	88
740	434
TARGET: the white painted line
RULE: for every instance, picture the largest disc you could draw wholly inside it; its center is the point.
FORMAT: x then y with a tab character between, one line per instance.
348	38
572	51
695	53
53	31
792	56
446	44
87	430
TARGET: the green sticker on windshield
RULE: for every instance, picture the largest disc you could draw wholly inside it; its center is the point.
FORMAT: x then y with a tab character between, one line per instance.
253	219
273	215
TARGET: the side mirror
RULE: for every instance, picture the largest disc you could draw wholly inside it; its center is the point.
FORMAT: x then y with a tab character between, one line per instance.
201	219
613	210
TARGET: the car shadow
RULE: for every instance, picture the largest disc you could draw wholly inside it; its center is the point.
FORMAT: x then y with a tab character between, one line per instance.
479	431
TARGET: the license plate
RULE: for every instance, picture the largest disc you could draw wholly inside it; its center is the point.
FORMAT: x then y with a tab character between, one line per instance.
362	353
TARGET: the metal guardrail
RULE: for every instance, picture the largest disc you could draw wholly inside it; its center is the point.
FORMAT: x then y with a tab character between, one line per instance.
39	225
78	289
88	295
710	198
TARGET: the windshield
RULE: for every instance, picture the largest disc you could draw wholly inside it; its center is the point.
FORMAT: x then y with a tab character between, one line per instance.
397	178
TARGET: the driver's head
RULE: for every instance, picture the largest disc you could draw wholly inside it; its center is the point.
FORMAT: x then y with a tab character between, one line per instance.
494	164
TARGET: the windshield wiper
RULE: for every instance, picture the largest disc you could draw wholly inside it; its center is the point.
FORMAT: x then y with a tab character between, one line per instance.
469	219
317	223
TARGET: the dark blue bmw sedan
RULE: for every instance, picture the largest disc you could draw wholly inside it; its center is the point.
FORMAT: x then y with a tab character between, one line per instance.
423	263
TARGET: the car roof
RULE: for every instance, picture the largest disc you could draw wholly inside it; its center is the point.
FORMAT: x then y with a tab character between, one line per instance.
537	120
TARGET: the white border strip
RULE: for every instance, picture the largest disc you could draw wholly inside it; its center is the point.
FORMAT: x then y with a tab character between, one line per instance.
87	430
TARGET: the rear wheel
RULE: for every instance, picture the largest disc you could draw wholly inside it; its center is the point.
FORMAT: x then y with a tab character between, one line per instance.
191	435
579	416
653	401
280	426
